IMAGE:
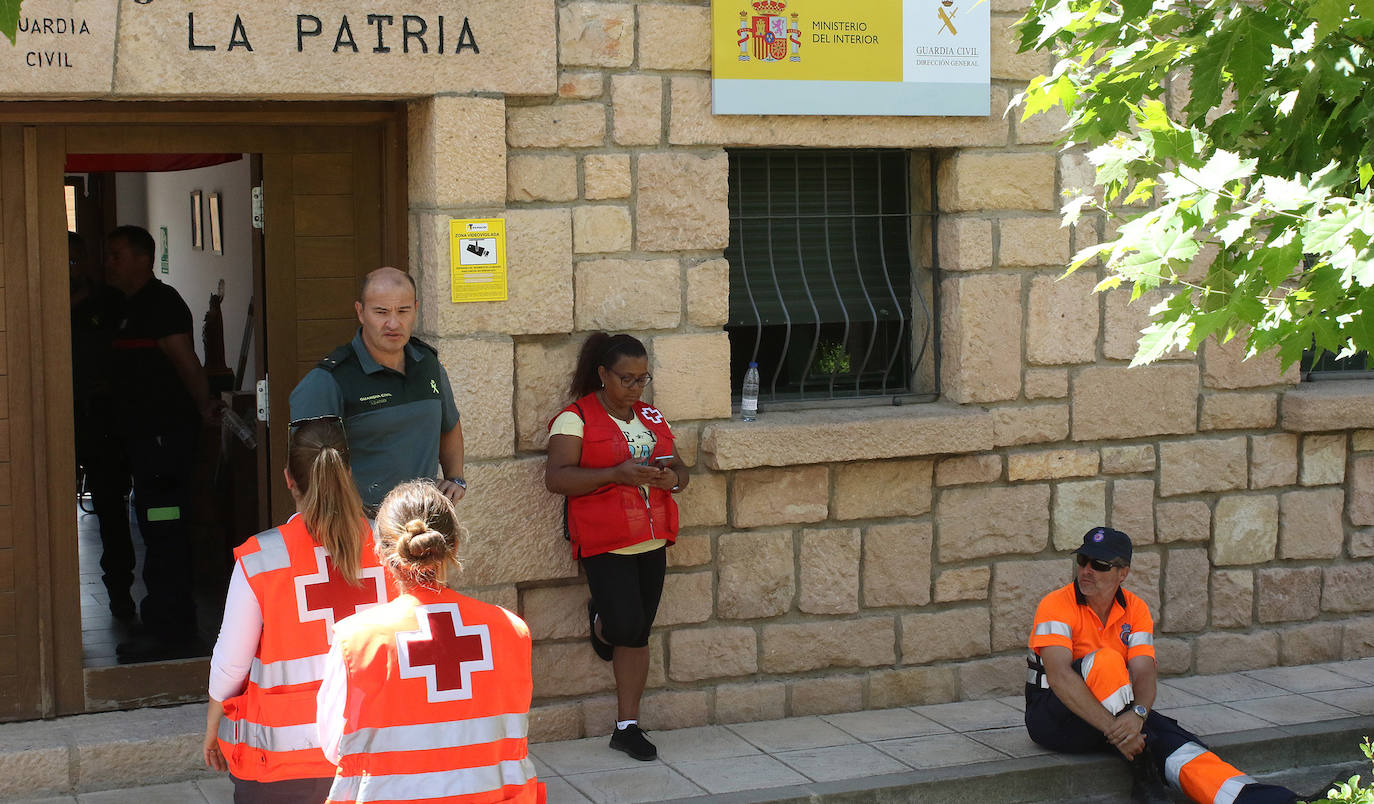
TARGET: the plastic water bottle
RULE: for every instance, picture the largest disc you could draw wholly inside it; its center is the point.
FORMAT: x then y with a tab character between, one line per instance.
240	429
749	398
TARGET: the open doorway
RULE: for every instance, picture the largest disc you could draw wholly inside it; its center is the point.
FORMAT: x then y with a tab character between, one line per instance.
172	548
333	187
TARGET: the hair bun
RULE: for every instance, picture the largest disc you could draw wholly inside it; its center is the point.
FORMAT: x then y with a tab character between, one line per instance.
421	544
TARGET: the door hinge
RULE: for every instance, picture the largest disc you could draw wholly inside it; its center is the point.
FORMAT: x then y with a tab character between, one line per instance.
257	207
264	400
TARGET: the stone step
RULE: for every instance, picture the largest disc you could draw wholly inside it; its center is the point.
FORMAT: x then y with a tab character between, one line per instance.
105	751
161	747
1306	758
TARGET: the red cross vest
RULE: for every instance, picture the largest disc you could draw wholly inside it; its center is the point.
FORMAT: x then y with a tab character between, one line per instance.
438	690
268	731
616	515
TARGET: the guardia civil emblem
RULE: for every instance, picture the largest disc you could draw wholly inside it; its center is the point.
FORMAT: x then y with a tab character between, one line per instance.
767	35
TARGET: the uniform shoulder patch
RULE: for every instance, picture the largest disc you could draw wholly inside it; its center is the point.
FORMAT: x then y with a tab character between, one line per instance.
423	345
332	360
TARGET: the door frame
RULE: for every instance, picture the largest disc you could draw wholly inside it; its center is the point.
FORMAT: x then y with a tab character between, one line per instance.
50	130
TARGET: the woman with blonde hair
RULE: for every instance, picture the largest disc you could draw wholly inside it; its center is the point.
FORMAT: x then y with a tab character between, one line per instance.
427	698
289	587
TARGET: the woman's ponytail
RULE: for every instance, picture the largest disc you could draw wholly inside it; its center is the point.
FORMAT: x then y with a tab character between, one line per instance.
333	512
317	460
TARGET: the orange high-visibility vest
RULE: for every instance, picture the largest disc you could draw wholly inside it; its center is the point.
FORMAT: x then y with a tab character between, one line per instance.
615	515
438	699
268	731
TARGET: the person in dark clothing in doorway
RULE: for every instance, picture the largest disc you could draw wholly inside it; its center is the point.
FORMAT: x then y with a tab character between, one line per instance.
96	312
163	396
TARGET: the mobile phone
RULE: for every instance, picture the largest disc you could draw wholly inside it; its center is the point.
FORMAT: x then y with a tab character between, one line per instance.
664	459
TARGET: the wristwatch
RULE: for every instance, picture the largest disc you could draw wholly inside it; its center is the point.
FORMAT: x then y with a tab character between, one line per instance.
459	482
1140	710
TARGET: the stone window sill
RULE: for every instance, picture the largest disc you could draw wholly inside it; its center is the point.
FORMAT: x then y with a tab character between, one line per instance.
1315	407
794	438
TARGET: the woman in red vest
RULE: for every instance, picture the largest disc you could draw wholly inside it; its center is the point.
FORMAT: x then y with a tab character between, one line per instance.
289	587
613	457
426	699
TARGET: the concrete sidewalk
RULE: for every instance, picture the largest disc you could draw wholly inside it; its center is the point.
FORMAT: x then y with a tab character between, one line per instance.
1299	725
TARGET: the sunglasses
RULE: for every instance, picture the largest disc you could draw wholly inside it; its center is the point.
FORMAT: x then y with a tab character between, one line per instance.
1097	564
328	417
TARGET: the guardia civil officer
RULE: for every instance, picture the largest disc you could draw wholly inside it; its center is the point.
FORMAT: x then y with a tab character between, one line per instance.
393	394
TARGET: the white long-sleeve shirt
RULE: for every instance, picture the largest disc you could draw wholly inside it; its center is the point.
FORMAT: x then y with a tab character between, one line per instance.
330	704
239	635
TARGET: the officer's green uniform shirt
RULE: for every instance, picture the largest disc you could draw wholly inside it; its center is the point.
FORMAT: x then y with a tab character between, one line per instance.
393	421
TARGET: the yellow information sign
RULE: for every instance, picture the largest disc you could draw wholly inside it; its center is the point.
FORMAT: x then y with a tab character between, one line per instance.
477	249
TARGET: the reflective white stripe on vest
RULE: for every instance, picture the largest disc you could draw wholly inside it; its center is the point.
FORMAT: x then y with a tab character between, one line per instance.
286	672
1053	628
1173	766
1087	666
1226	794
425	736
1037	679
269	738
1119	700
438	784
1139	638
271	554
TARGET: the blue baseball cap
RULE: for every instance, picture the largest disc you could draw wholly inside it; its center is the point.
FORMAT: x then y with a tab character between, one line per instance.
1106	544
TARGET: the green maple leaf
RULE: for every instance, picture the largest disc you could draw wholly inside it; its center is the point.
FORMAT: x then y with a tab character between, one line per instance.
9	18
1329	14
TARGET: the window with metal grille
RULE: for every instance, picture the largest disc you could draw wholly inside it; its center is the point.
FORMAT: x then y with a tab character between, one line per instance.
1319	364
826	292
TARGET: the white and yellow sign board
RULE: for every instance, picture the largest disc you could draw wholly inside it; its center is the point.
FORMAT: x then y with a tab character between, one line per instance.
880	57
477	254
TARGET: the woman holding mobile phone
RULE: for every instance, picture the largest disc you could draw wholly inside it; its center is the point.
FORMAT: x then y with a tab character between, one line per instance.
614	458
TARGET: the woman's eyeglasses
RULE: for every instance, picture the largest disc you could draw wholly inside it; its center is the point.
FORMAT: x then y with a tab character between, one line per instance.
631	381
1098	565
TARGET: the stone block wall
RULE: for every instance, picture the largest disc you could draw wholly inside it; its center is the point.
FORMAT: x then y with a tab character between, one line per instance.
847	558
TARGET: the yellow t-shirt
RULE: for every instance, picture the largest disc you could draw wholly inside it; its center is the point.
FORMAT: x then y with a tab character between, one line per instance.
641	441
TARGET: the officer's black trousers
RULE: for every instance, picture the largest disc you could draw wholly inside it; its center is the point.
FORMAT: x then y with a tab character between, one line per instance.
161	466
101	455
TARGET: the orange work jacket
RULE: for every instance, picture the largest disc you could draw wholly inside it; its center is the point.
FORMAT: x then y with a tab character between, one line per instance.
433	691
268	730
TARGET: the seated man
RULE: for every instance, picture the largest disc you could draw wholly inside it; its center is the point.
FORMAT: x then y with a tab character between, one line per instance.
1092	685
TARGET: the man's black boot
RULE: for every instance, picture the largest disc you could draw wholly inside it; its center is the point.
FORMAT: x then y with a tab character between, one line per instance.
1147	786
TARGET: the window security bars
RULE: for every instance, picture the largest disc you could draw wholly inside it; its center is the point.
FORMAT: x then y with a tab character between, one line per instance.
1322	365
824	289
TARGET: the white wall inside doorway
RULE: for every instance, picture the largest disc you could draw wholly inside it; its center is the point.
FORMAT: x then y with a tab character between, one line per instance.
154	200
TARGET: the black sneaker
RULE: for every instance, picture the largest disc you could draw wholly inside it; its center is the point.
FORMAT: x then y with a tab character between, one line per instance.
122	607
147	647
632	741
603	648
1146	784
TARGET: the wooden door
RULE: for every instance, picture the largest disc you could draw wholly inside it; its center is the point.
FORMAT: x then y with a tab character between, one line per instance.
324	232
333	178
35	368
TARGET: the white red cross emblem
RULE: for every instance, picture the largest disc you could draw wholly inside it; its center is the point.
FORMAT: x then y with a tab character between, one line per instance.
444	652
325	595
